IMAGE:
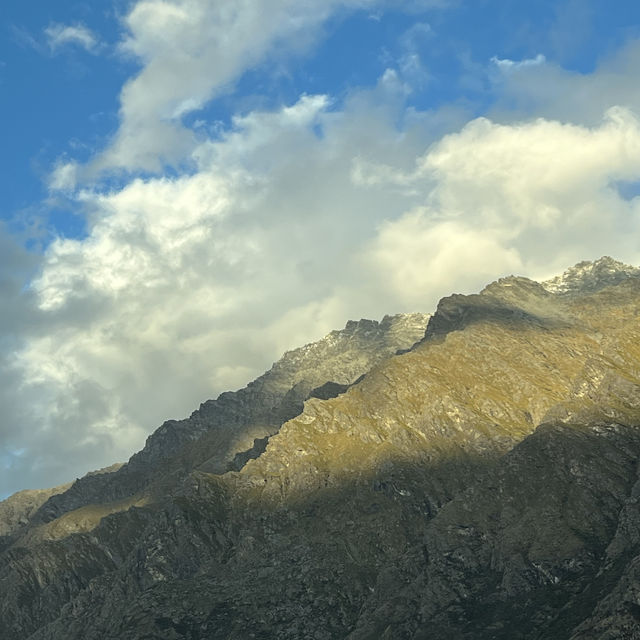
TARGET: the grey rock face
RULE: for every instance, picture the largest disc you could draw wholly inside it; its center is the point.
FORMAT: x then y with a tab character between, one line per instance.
19	510
481	484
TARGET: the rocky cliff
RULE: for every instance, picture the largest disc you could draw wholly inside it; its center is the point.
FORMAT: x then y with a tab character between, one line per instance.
476	481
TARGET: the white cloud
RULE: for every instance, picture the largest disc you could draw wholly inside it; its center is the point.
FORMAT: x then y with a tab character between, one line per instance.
61	35
418	253
506	65
549	91
64	177
540	193
192	50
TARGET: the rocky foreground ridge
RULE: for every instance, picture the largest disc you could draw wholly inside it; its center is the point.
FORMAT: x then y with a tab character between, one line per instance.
477	480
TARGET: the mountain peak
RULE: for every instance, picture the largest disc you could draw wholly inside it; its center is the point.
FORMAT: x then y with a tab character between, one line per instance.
589	276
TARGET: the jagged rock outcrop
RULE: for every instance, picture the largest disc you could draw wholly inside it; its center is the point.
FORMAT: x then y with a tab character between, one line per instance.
586	277
481	484
20	509
222	429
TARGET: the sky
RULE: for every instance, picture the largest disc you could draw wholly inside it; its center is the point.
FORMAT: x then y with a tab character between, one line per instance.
192	187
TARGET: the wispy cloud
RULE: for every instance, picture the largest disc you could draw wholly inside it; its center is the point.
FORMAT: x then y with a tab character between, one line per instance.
414	37
25	39
56	37
509	65
550	91
59	36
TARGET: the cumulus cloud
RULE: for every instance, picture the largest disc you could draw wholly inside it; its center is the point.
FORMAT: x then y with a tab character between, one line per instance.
62	35
531	197
418	253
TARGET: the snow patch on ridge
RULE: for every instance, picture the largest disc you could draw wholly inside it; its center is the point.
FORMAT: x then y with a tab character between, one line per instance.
588	276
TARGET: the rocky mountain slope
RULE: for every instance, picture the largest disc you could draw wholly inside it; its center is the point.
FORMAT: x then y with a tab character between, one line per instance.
475	481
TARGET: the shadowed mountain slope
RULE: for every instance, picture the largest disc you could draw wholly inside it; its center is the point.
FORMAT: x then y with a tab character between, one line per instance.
480	484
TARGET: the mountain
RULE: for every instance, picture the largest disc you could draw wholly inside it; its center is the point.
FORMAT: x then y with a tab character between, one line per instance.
474	480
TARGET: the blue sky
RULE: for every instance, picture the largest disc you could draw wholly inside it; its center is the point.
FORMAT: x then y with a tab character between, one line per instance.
191	188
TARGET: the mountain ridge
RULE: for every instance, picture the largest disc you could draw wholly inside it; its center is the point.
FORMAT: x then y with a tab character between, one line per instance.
478	481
